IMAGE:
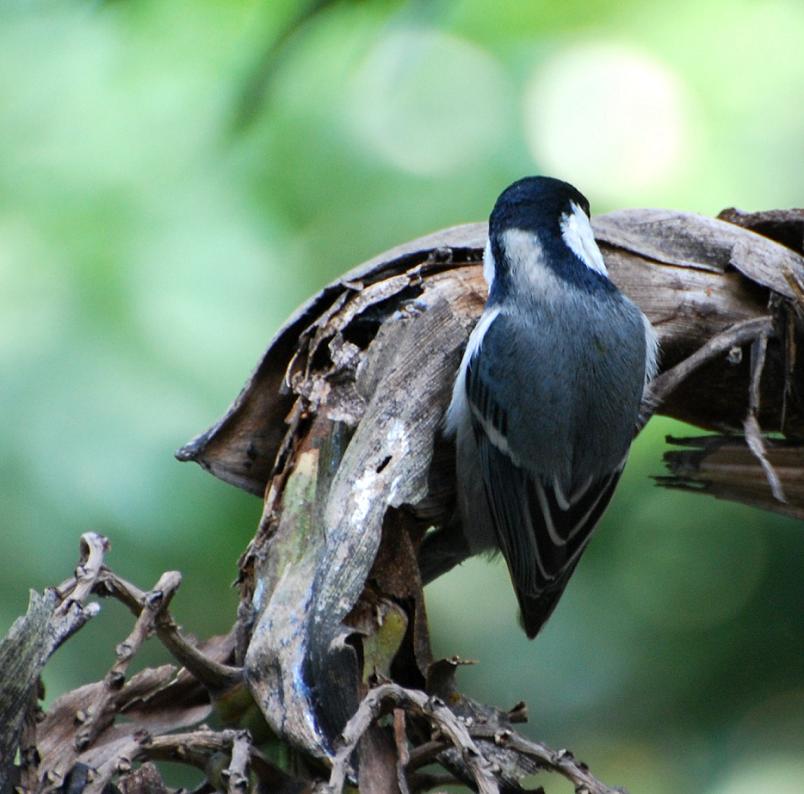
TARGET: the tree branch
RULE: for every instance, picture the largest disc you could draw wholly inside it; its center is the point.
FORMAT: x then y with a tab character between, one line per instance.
339	427
434	709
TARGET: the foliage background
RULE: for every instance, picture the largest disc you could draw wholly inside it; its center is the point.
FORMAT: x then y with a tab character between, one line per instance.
176	177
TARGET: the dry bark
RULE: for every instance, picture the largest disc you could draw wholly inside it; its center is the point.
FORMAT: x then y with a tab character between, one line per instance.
338	431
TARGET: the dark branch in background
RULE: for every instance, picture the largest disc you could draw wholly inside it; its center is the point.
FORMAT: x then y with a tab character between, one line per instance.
757	332
210	673
252	98
327	675
250	103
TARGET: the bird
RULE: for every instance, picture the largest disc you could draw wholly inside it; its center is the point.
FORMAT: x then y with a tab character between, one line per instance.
546	399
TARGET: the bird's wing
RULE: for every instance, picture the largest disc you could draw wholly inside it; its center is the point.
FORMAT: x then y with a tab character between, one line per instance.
541	531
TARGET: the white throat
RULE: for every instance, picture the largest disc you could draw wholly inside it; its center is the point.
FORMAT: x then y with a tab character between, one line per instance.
577	233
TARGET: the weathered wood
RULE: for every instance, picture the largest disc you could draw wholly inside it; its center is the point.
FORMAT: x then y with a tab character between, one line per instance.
80	733
241	447
329	528
366	368
724	467
30	642
23	652
693	276
338	429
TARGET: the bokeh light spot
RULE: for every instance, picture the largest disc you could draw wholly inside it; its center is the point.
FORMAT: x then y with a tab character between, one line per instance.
611	118
428	102
782	775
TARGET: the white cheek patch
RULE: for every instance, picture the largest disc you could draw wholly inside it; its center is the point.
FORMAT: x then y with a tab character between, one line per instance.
529	271
577	233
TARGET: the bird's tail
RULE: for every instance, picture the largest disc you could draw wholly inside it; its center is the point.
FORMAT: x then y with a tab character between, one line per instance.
534	611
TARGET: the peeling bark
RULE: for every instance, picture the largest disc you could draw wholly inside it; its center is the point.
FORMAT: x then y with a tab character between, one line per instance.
338	430
375	354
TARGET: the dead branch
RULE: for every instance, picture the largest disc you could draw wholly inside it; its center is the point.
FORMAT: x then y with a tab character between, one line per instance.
724	467
195	748
339	428
561	761
457	732
212	674
734	337
237	773
25	650
101	709
417	702
79	738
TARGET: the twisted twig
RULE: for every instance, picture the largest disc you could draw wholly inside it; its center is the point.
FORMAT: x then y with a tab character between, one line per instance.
101	713
212	674
735	335
419	702
561	761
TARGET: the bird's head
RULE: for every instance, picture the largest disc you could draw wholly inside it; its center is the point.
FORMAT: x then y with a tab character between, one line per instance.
540	225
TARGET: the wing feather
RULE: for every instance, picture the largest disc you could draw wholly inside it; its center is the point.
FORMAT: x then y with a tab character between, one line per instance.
540	532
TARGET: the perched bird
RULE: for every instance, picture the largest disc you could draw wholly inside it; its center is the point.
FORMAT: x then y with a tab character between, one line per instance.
546	399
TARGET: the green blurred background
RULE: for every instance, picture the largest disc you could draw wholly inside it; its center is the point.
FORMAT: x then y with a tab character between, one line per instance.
175	177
